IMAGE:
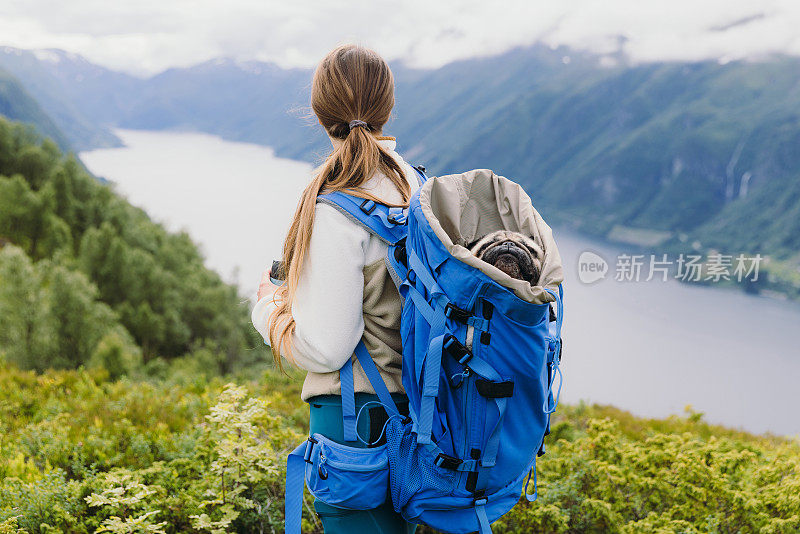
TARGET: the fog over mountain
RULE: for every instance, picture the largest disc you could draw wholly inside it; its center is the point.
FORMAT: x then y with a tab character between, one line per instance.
144	38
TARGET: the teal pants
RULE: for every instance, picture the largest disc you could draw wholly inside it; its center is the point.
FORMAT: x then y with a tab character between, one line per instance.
326	419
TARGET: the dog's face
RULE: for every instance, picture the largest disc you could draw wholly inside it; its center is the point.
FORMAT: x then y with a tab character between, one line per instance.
513	253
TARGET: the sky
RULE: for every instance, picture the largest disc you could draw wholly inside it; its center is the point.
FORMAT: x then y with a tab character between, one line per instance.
147	36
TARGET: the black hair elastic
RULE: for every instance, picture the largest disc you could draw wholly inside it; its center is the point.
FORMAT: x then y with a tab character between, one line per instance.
355	123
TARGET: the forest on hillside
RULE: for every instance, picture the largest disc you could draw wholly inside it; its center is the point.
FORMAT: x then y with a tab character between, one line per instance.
88	279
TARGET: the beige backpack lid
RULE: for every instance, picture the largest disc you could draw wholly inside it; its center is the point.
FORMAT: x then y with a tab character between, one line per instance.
462	208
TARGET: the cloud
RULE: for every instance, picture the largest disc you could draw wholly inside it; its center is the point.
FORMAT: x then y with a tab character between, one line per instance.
147	36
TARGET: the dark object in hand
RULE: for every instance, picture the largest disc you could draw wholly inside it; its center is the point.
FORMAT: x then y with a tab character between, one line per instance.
276	272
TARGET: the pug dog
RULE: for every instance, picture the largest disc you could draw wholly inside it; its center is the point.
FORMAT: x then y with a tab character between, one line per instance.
515	254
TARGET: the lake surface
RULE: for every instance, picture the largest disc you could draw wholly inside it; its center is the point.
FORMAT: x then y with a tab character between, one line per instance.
235	199
649	347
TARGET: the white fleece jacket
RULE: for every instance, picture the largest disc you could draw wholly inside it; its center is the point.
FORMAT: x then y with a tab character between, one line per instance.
327	308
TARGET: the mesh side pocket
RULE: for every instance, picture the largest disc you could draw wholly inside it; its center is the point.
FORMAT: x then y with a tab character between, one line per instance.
411	468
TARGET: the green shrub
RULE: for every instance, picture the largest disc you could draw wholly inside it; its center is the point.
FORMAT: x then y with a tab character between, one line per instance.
81	452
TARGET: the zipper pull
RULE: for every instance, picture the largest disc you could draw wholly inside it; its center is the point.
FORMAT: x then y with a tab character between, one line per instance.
458	379
323	473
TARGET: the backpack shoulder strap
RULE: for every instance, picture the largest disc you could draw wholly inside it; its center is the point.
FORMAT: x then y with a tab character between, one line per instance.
388	223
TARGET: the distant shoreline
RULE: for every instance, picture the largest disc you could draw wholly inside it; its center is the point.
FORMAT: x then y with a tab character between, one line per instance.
643	241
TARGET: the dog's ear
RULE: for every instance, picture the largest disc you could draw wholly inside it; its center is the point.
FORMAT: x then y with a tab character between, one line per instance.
481	244
533	247
471	245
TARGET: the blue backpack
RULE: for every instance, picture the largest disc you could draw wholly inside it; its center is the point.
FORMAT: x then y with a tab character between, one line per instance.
479	367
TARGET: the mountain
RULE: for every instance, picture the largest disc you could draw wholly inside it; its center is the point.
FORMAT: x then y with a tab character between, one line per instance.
17	104
680	147
684	155
243	101
66	86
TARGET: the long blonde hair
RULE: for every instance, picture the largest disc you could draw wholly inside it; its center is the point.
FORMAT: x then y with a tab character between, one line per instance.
350	83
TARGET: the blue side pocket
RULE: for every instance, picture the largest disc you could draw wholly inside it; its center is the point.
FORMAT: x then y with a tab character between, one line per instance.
348	477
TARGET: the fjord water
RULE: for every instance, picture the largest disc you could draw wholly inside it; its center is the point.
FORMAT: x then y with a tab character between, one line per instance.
649	347
234	199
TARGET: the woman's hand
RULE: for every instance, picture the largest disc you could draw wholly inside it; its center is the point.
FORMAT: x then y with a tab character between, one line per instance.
266	287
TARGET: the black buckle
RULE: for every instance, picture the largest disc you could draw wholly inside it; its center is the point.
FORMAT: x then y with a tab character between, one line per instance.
420	168
452	311
488	310
494	390
448	462
472	477
370	210
456	349
309	449
400	254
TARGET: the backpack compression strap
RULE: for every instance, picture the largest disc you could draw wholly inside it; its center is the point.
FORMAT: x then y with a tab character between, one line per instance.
553	360
556	352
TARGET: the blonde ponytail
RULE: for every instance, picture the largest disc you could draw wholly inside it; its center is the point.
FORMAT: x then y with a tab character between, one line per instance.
352	84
